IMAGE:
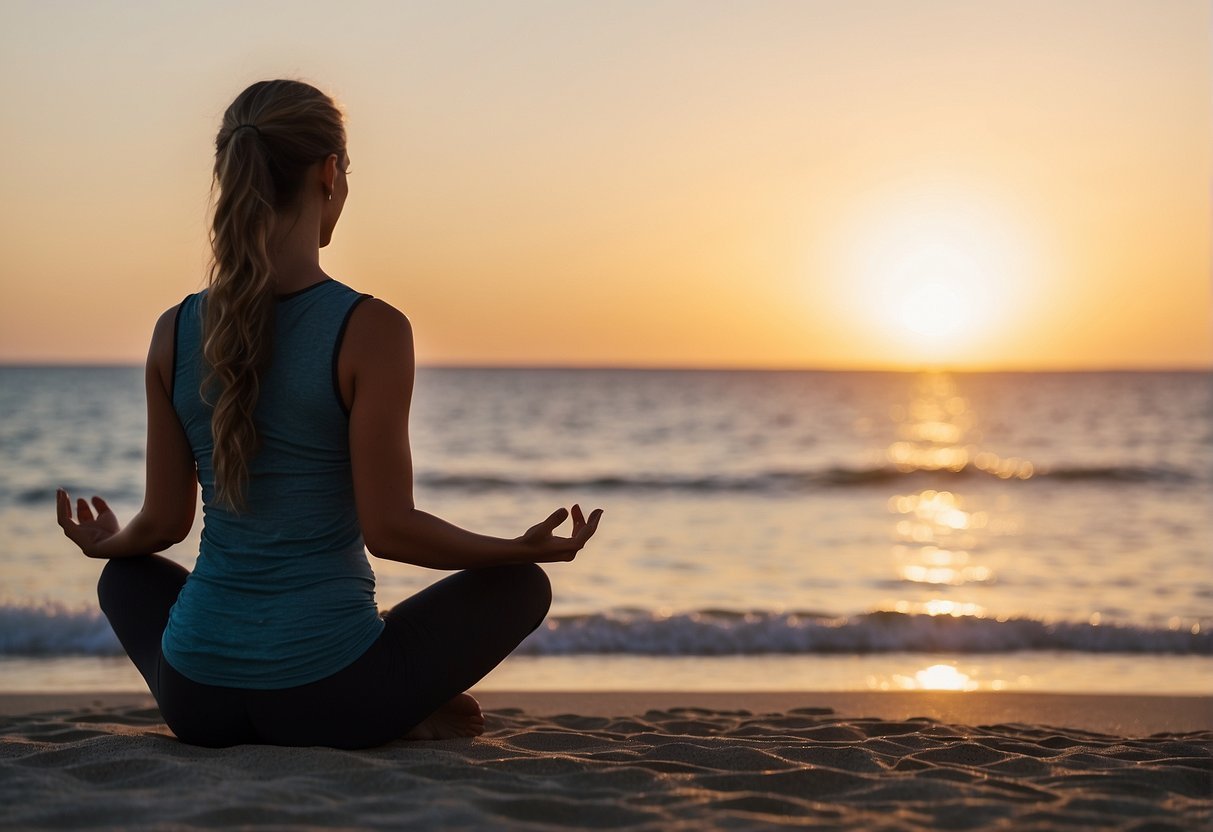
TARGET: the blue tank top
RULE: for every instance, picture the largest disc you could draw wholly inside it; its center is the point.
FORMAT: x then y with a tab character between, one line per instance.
282	593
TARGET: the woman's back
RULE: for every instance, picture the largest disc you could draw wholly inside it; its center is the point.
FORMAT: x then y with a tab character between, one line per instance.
282	593
276	637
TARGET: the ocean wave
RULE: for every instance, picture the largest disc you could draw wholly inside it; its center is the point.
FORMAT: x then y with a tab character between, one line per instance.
806	480
43	497
50	629
1121	473
761	482
719	633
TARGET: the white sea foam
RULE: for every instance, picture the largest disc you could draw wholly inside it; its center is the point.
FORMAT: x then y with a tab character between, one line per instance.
51	628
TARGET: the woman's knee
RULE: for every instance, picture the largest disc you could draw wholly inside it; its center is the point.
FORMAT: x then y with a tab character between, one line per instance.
139	577
534	587
522	587
114	576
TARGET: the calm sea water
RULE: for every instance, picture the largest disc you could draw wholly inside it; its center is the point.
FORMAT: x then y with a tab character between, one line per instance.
763	530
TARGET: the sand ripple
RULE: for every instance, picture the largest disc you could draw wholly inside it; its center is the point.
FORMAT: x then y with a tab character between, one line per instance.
683	768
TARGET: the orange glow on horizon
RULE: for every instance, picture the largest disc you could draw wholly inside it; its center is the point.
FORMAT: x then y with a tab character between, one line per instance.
781	186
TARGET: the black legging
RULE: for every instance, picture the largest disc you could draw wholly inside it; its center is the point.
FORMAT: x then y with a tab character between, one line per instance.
434	646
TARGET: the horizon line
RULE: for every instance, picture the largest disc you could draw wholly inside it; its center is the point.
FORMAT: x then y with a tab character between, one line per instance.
705	368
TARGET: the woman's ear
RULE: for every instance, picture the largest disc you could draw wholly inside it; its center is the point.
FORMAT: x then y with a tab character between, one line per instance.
328	174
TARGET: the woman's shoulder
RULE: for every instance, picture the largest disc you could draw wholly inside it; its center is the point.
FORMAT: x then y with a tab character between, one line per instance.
376	328
164	335
170	319
161	355
376	353
166	326
374	316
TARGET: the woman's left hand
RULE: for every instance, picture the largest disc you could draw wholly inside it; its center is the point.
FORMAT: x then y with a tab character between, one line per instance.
87	531
544	547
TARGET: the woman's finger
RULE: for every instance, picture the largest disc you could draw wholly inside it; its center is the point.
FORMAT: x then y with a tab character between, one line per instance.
63	508
578	517
101	506
555	519
83	511
591	526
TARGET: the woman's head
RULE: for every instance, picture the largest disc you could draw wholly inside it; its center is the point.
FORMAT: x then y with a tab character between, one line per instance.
279	141
280	150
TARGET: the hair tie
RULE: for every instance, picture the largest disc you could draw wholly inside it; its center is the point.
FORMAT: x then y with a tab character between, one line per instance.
252	127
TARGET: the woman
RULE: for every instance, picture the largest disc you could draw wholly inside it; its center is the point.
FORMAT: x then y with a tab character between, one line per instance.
285	394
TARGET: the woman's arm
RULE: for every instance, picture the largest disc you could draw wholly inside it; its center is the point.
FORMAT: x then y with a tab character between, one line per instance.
375	370
171	490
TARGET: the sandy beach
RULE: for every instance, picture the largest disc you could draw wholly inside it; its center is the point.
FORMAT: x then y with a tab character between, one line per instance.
872	761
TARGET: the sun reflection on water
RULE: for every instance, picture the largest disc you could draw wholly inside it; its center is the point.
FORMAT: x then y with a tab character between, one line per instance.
936	677
937	532
924	674
919	574
941	536
941	606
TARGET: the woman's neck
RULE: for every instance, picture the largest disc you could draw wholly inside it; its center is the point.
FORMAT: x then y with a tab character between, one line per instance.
291	276
295	254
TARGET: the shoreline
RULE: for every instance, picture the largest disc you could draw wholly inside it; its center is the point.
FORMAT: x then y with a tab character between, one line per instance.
1114	714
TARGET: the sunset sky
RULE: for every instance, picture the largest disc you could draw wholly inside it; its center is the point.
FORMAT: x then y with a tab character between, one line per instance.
863	184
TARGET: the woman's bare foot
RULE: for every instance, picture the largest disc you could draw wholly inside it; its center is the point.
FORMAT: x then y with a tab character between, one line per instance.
461	717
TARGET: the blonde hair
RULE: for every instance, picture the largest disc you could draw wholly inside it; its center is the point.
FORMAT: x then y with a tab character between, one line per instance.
271	135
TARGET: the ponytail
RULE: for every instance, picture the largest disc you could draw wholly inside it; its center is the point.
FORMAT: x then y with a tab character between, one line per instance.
271	134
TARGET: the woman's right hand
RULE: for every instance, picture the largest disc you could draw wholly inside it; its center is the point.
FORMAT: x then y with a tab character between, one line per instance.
90	530
548	548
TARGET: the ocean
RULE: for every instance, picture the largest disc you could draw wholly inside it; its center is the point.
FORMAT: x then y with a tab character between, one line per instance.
763	530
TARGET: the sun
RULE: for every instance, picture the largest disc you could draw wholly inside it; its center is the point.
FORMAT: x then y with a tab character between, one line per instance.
932	280
932	309
936	292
